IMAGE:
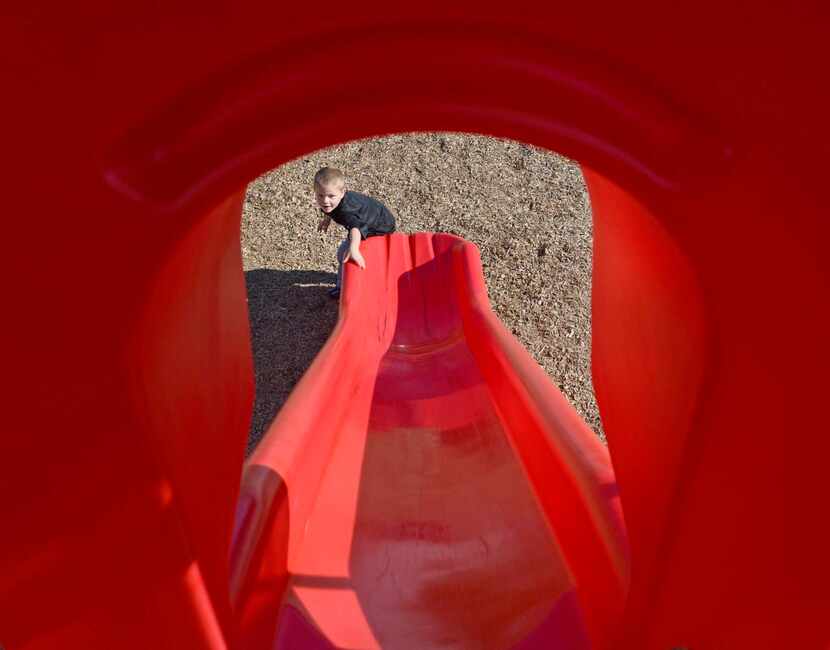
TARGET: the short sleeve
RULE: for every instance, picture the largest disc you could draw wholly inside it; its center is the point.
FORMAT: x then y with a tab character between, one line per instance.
351	220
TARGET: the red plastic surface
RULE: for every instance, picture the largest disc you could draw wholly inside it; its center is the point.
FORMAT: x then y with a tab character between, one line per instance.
407	460
128	133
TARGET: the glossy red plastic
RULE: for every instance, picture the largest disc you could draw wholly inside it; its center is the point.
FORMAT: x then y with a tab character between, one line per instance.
129	132
397	483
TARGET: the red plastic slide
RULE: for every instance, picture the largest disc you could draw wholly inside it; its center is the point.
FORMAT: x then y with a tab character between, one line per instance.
426	485
129	132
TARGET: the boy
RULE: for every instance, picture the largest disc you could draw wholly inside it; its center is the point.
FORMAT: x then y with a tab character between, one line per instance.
361	216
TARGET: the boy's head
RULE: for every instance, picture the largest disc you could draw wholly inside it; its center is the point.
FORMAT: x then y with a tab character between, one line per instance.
329	188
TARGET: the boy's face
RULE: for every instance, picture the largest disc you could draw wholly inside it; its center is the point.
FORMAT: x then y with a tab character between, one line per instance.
329	196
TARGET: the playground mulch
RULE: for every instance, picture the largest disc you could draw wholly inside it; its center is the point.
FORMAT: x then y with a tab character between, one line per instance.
527	209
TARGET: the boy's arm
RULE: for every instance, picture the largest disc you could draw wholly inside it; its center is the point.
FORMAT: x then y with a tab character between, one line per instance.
324	224
354	248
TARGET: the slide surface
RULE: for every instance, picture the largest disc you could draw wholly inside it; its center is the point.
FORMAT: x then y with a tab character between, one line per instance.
394	502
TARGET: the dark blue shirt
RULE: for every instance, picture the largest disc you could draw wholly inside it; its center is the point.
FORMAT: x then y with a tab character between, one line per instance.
368	215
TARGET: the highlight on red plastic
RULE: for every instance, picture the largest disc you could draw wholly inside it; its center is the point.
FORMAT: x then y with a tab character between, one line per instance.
474	502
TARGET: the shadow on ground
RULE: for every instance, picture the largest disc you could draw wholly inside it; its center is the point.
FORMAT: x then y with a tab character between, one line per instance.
291	316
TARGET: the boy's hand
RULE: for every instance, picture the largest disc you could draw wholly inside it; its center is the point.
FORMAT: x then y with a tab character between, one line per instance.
324	224
357	257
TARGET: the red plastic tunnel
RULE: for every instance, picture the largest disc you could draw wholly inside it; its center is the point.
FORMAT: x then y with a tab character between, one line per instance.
129	132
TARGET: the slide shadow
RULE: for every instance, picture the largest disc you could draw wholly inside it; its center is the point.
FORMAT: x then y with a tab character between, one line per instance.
291	316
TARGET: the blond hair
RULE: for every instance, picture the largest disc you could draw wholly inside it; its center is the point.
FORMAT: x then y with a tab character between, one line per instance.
329	176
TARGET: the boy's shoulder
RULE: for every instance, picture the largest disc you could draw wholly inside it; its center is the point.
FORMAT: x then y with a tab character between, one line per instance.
356	200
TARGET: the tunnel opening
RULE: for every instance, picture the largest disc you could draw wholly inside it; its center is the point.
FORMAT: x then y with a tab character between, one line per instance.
526	209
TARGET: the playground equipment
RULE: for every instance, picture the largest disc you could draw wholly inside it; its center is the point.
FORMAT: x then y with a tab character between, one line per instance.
129	132
386	503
